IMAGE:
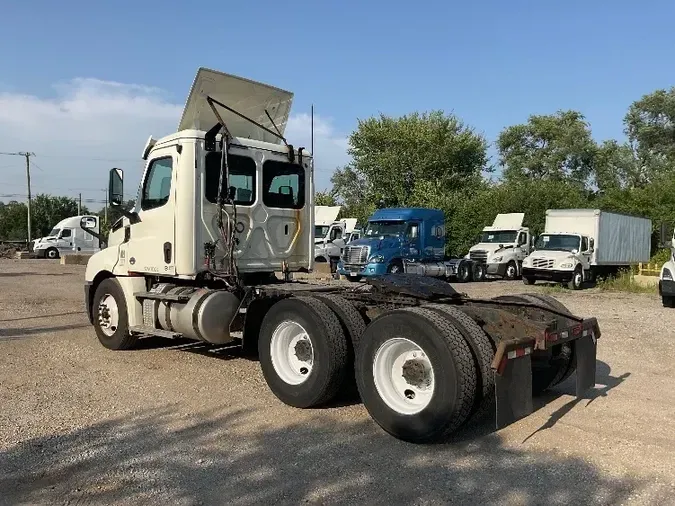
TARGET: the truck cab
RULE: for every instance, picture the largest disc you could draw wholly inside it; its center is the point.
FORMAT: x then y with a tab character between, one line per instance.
503	246
68	237
560	257
393	237
177	227
329	247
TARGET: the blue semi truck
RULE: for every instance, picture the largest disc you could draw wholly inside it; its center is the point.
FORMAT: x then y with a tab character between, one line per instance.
410	240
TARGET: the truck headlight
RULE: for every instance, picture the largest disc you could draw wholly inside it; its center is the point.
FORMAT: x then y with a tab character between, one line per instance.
566	266
377	259
667	275
497	259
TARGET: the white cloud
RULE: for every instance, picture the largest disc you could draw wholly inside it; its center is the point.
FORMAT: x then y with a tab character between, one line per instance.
91	125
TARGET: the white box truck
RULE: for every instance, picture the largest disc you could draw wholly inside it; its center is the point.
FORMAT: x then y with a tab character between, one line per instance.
579	245
68	237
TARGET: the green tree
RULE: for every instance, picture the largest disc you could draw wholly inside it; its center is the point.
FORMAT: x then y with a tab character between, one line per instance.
650	127
391	155
325	198
555	146
46	211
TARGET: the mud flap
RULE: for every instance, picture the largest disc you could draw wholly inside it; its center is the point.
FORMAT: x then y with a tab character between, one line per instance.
513	390
585	350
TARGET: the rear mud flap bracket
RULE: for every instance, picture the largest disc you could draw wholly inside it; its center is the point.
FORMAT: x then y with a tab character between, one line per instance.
513	390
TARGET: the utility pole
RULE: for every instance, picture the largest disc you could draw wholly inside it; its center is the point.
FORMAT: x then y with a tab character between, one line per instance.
27	155
105	218
79	205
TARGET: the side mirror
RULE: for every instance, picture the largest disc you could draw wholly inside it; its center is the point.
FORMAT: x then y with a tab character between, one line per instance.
88	223
116	187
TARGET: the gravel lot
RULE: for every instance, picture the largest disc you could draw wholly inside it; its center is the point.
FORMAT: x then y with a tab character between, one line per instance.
181	423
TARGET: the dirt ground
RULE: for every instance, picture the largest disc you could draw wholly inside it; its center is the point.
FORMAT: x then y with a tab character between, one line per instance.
182	423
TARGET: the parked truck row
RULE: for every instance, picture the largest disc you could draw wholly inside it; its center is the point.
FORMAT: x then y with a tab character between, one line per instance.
577	246
227	199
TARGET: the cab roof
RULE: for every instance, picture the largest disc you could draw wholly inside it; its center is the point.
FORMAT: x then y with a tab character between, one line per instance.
407	213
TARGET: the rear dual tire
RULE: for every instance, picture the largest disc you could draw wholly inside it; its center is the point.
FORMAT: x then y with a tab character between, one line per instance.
306	348
423	372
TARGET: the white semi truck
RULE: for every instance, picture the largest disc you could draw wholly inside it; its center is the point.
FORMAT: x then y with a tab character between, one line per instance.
331	235
580	245
502	248
68	237
226	199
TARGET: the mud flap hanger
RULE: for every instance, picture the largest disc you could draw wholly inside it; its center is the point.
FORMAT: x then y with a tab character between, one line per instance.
210	138
513	374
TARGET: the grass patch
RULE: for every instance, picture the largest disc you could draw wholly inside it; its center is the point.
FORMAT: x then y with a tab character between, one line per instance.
625	282
552	288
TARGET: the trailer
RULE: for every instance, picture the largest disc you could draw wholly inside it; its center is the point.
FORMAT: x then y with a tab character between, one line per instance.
191	260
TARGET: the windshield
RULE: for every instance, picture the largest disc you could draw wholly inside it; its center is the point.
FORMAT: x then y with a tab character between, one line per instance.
499	236
54	232
385	228
558	242
320	231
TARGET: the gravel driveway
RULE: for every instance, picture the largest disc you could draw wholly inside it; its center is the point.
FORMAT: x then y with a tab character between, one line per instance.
183	423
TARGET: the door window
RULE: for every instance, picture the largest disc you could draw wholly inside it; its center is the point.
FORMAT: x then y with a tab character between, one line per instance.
242	178
522	239
335	234
413	231
66	233
157	187
283	185
584	244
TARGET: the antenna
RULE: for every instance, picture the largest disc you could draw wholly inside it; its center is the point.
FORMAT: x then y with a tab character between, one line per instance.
312	147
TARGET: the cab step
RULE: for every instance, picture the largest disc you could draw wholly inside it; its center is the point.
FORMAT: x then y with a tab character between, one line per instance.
151	331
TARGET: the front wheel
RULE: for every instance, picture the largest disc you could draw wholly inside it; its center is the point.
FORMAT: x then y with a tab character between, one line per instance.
395	267
576	281
52	253
111	321
528	280
511	270
668	301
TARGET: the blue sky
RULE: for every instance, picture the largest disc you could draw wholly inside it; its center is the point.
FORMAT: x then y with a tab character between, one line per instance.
492	63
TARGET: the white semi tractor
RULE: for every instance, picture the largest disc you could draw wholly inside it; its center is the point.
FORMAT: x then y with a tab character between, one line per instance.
332	235
226	199
68	237
502	248
580	245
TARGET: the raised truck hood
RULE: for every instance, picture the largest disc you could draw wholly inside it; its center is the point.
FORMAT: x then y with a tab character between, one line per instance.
508	221
247	97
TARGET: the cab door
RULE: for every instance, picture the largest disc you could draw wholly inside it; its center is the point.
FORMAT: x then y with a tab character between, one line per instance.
151	245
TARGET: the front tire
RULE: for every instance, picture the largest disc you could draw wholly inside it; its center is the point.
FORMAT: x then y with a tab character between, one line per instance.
303	352
577	280
111	320
52	254
529	281
511	271
668	301
395	267
416	375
